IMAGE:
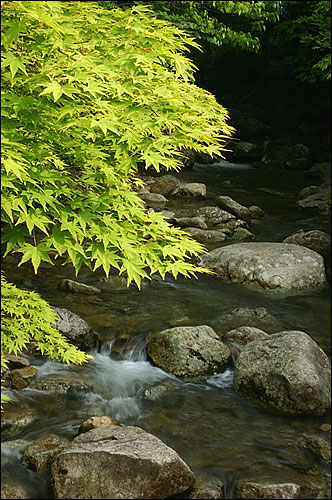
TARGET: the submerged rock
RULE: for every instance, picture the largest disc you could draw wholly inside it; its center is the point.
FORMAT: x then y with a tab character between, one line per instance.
287	372
188	350
61	383
119	462
268	265
76	287
258	317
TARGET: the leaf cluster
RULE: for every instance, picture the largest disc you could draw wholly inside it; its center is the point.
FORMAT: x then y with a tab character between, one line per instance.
88	95
226	24
26	317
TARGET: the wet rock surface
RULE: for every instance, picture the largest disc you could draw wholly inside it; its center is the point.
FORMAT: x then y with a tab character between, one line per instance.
121	463
270	266
41	453
287	372
188	350
76	329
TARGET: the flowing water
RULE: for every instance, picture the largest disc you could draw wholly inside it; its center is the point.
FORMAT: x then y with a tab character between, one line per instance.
215	432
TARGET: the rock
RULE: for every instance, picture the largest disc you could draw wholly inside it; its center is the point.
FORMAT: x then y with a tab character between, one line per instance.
154	199
319	447
119	462
325	428
189	190
15	417
256	212
250	489
268	265
213	236
230	226
204	158
298	164
214	215
321	171
308	191
164	185
75	329
320	201
188	350
61	383
16	361
240	337
318	241
298	151
287	372
21	377
40	454
258	317
242	233
244	151
76	287
232	206
13	490
190	222
207	489
187	157
168	215
96	422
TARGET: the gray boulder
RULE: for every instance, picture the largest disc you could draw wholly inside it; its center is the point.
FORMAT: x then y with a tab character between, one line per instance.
251	489
75	329
268	265
241	233
235	208
256	212
204	235
188	350
119	462
318	241
214	215
154	199
320	201
287	372
197	222
189	190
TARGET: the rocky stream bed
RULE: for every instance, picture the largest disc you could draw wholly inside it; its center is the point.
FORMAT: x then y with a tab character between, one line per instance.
211	388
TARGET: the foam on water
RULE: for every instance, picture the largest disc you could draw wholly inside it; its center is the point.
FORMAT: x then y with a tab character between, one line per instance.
222	380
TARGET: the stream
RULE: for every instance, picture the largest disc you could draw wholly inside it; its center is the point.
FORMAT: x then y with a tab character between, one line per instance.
212	429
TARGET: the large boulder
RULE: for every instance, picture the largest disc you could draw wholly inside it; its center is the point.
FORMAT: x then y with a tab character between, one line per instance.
287	372
316	240
119	462
268	265
75	329
188	350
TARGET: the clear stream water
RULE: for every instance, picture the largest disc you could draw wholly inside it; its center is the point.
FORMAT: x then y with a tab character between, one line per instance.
217	433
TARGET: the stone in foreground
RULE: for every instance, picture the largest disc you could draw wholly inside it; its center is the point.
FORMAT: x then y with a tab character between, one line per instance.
188	350
119	462
270	266
287	372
